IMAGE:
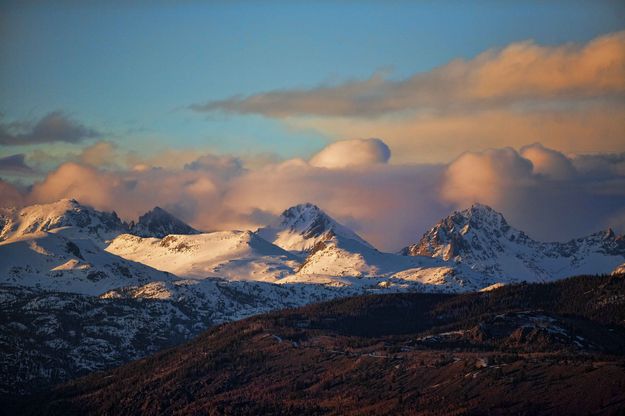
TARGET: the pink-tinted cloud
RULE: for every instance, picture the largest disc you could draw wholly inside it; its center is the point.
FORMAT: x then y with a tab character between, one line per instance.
351	153
540	190
10	196
548	162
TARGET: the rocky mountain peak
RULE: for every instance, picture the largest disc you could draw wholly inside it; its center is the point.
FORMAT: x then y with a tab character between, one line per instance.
300	227
307	219
159	223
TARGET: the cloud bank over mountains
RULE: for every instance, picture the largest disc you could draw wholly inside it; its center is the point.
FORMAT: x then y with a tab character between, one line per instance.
552	195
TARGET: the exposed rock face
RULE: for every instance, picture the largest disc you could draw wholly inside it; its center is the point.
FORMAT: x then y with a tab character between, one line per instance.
482	239
159	223
302	226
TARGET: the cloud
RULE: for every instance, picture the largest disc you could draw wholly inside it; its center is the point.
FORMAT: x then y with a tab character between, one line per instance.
54	127
223	166
569	97
515	74
600	166
15	164
440	137
380	202
85	183
10	196
100	154
538	189
550	195
548	162
485	177
350	153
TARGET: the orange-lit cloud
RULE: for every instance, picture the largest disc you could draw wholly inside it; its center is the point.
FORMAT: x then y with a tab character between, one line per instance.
570	97
543	191
486	177
518	72
548	162
441	137
350	153
10	196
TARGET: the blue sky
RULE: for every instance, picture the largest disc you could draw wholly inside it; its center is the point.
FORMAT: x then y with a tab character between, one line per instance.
131	69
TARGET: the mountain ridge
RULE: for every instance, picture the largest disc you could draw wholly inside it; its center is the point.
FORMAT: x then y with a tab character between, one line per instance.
100	225
481	238
441	354
85	263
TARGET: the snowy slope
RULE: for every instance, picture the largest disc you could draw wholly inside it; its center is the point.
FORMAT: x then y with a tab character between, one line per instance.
52	261
360	265
236	255
481	239
87	222
159	223
301	227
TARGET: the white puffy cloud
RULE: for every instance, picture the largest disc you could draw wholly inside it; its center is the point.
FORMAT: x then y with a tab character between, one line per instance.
350	153
548	162
485	177
542	193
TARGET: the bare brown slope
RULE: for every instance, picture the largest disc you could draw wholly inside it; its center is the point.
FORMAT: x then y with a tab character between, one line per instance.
529	349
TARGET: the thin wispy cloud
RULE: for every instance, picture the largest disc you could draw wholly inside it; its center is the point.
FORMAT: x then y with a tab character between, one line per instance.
517	74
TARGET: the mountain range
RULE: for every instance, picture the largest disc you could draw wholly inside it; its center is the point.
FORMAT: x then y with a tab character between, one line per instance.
532	349
82	290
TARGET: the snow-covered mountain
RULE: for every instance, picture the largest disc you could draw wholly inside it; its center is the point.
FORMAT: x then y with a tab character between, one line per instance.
301	227
61	262
481	239
87	222
97	225
235	255
337	257
159	223
95	295
333	254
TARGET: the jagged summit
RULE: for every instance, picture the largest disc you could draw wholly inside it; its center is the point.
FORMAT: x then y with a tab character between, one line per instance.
159	223
447	239
302	226
481	238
